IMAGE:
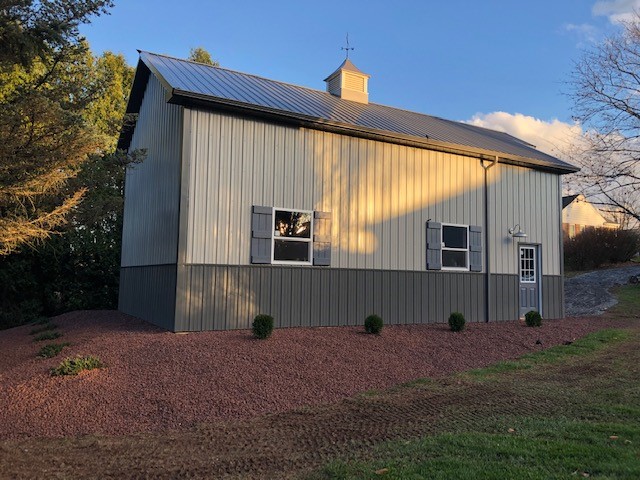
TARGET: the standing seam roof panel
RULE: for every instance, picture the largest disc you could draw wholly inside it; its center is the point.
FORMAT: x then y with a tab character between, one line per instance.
222	84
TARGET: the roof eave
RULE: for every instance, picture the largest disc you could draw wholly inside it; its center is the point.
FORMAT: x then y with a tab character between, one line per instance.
140	80
187	98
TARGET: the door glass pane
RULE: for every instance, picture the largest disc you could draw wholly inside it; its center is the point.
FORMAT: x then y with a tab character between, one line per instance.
527	265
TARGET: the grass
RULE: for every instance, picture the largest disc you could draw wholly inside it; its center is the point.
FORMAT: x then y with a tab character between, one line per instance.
554	355
52	349
75	365
48	335
46	326
577	415
628	301
596	434
40	321
539	451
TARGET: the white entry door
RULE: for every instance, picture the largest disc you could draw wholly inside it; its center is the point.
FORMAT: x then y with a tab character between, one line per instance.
529	279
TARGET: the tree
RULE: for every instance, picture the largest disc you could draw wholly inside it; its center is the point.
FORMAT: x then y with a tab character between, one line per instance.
45	89
31	29
43	141
79	268
200	55
107	109
606	94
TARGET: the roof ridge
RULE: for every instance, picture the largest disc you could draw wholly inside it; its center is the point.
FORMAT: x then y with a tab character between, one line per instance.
272	96
412	112
236	71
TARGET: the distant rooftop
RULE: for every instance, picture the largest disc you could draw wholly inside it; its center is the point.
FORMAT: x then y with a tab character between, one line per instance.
194	84
568	199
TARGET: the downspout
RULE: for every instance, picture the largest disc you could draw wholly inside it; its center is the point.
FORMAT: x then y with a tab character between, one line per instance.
487	275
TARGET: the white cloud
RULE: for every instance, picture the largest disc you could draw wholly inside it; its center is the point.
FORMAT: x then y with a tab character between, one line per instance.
617	10
584	31
554	137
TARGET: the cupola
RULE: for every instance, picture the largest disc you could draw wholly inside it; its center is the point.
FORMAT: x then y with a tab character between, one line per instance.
349	83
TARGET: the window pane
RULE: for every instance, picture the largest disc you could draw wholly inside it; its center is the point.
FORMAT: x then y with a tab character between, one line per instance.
454	259
454	237
291	251
292	224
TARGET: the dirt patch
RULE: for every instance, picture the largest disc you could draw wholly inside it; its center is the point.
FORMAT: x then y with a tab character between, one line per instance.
157	381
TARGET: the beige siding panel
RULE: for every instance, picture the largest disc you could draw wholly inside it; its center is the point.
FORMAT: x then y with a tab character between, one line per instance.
529	198
381	195
152	188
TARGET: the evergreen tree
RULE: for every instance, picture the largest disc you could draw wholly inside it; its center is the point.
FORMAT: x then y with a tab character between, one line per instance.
44	93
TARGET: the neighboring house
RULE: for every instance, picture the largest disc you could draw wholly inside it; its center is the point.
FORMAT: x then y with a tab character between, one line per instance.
578	214
320	208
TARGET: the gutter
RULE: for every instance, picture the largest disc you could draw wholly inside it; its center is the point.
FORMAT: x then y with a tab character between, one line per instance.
192	99
487	275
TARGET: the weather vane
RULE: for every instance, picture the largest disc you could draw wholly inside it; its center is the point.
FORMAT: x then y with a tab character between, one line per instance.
347	48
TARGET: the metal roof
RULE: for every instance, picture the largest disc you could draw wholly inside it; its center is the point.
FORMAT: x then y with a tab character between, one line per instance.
348	66
191	83
567	200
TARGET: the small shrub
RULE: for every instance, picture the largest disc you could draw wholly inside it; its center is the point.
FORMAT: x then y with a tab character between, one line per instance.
48	335
73	366
533	319
43	328
373	324
456	322
262	326
52	349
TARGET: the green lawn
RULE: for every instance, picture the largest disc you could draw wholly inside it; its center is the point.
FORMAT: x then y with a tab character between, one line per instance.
629	301
576	415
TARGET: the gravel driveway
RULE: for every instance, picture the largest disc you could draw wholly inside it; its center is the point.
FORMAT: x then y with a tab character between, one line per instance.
588	294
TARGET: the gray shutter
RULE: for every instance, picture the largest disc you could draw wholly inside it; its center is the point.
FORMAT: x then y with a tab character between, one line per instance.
475	248
261	228
434	246
322	238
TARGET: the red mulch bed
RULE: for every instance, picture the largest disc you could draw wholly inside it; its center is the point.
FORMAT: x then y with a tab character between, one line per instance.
156	380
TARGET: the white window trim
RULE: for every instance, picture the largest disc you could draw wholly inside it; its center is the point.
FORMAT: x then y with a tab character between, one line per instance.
443	248
291	239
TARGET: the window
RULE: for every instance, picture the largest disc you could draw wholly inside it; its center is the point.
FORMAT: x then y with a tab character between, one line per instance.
455	247
527	265
292	236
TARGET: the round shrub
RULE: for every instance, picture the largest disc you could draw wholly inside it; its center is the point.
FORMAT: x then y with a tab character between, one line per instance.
456	322
373	324
262	326
533	319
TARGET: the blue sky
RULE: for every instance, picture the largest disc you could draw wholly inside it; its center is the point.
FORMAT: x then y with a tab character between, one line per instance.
458	59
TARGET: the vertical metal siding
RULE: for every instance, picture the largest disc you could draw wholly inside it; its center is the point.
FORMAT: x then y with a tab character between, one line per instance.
152	188
504	299
380	194
149	292
228	297
552	297
527	197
